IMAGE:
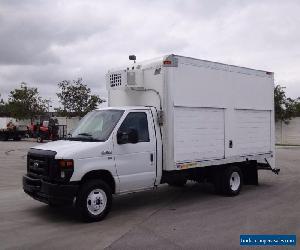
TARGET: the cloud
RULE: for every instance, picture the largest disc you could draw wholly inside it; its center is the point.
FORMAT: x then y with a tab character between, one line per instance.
30	32
46	41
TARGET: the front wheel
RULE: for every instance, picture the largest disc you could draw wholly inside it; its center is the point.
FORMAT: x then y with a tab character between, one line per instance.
94	200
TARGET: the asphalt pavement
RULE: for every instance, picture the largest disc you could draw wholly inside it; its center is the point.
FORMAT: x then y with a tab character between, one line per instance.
192	217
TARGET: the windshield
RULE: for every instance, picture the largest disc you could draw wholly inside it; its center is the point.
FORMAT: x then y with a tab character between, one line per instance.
96	125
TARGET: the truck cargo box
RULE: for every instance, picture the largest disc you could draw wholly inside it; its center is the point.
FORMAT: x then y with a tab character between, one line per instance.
213	113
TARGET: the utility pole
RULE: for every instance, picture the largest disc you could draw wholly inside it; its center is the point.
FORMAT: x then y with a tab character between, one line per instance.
48	105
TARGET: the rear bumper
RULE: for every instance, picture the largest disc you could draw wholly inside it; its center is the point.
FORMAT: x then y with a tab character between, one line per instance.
48	192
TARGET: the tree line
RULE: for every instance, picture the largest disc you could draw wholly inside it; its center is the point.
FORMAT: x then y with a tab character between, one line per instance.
74	96
285	107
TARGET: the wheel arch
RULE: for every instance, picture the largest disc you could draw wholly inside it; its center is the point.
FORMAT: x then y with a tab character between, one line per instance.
104	175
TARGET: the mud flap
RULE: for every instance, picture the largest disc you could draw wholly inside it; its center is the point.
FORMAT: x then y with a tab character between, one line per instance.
250	174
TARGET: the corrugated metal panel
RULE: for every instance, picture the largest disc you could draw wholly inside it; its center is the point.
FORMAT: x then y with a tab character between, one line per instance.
198	133
253	131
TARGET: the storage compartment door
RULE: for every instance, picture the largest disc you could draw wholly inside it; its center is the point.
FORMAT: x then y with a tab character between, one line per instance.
253	131
198	134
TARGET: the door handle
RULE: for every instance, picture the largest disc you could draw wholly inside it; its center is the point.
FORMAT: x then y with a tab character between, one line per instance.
151	157
107	152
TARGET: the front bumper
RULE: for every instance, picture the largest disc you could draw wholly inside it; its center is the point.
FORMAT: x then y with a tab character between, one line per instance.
49	192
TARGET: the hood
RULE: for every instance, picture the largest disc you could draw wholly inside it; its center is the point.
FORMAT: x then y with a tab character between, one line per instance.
74	149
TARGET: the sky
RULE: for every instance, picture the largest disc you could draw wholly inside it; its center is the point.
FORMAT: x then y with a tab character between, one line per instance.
43	42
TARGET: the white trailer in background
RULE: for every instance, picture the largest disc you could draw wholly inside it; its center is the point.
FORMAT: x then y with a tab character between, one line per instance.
11	128
169	120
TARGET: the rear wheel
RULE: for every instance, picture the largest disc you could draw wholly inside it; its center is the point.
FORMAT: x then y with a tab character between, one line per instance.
94	200
232	181
3	137
17	138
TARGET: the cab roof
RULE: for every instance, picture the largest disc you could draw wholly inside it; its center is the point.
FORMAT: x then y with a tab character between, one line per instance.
125	108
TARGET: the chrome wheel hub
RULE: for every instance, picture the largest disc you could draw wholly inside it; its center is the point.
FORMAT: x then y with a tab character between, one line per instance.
96	201
235	181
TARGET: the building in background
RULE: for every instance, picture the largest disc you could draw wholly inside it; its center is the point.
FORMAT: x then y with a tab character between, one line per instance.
288	133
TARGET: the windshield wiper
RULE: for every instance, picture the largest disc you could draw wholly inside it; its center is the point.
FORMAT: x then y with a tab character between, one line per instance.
85	134
83	137
90	139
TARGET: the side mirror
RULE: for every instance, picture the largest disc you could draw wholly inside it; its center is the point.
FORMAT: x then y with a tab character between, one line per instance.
130	136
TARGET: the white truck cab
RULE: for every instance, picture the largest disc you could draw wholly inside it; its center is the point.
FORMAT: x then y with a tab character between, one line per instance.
169	120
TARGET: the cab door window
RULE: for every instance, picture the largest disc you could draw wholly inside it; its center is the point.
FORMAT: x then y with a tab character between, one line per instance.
137	121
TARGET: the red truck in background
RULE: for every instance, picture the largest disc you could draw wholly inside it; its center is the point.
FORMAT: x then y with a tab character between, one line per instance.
44	128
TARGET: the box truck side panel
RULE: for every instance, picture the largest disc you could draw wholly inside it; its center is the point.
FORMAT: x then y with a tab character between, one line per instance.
245	97
197	86
198	133
252	91
3	122
253	131
219	86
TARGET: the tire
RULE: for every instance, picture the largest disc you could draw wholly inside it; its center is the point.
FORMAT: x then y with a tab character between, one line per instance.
232	181
3	137
178	183
17	138
39	139
94	200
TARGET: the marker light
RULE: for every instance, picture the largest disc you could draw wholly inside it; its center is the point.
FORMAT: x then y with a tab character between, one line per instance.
167	62
66	163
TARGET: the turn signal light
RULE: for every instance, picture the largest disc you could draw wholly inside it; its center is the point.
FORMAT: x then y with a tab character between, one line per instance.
66	163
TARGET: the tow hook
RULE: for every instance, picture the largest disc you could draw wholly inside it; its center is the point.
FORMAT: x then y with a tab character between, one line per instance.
276	170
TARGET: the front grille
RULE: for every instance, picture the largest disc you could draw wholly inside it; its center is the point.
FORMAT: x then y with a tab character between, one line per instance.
41	164
38	165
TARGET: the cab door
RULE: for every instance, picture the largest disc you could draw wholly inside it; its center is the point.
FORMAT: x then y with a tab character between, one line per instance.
136	162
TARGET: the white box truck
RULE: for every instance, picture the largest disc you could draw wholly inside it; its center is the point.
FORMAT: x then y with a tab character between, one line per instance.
169	120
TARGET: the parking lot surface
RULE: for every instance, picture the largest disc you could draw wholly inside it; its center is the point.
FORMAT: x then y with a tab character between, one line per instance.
192	217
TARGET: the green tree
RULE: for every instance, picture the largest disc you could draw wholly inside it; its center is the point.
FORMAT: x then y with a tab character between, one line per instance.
285	108
297	107
3	106
25	102
76	98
